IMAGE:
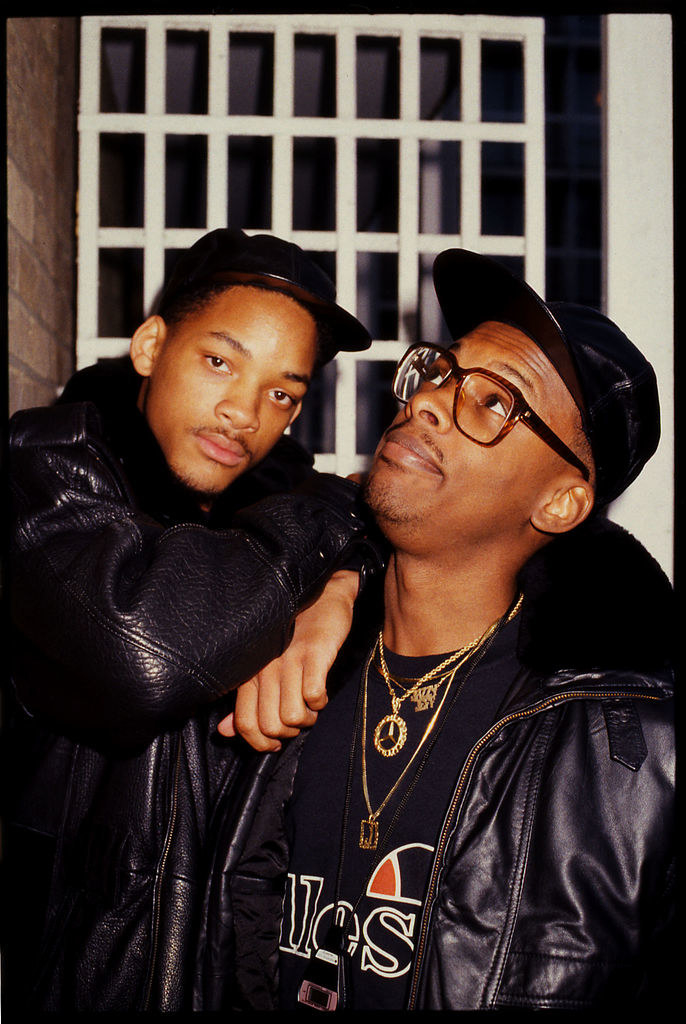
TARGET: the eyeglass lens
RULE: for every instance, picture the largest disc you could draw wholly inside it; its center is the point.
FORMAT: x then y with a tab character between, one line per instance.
482	406
420	366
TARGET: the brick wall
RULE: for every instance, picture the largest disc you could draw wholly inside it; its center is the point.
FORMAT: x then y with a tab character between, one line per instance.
42	82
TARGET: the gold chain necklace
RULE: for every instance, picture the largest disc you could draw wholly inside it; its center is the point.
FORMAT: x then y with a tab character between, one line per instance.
390	733
369	827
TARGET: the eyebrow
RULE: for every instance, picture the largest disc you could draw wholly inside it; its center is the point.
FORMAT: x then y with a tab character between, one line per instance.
507	368
300	378
504	368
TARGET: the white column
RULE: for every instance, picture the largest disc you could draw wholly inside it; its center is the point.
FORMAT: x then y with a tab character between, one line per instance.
638	242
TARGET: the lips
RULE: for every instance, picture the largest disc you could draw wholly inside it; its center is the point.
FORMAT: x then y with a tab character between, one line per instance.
225	450
405	449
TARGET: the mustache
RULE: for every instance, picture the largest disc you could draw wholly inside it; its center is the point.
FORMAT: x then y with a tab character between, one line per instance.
227	435
425	439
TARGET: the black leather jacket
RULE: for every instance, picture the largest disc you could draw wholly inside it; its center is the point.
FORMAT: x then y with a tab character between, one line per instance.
131	625
553	878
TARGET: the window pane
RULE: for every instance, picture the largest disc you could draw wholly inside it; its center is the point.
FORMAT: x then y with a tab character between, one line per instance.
121	180
377	185
187	72
378	77
251	73
578	275
120	292
573	213
377	293
502	81
376	405
122	71
439	187
439	80
186	181
314	181
314	79
515	264
572	79
250	182
431	326
315	427
327	261
170	259
502	188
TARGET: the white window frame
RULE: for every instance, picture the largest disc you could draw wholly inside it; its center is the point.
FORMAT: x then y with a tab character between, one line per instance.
153	238
637	187
638	257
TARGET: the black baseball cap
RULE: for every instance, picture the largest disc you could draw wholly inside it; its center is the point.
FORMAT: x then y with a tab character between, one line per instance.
610	380
228	254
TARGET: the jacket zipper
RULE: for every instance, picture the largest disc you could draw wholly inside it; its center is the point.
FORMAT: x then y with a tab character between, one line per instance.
157	896
447	824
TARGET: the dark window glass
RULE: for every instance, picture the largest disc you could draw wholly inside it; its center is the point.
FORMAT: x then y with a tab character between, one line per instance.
502	81
376	406
186	181
439	187
572	213
250	182
315	427
120	292
327	261
502	188
430	325
314	79
314	184
122	71
377	293
439	80
251	73
122	158
187	72
378	77
377	185
515	264
573	158
574	274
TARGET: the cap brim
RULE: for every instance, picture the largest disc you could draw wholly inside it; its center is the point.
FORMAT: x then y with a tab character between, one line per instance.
473	289
348	334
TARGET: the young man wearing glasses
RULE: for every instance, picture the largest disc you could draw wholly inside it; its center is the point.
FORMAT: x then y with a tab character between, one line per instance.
482	816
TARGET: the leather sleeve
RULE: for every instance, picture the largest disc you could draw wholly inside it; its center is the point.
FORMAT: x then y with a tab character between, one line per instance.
130	625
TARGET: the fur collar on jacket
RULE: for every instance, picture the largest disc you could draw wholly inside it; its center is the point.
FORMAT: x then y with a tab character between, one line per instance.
596	599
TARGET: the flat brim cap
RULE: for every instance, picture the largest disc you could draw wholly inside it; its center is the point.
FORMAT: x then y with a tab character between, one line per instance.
230	255
610	380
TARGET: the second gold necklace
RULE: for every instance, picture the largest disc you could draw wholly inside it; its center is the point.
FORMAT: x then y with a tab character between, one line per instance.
390	733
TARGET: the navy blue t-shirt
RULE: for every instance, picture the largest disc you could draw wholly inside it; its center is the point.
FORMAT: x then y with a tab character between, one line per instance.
381	891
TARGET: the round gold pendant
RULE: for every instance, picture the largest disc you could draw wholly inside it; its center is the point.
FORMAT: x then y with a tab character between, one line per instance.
390	735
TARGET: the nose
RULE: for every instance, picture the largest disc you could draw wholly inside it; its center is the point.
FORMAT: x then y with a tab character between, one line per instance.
433	406
240	409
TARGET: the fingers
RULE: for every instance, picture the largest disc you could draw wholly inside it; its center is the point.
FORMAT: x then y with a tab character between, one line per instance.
287	694
226	726
246	721
272	707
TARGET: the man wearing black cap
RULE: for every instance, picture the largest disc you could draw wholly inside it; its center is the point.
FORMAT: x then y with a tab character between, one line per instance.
482	816
143	592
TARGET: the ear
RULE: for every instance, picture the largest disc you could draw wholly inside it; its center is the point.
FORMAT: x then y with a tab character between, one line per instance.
146	344
566	508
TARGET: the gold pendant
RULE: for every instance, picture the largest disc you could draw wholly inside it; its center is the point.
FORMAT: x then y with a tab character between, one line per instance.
390	735
369	833
425	697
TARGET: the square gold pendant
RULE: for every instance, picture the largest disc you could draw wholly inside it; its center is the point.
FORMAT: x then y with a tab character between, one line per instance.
369	834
